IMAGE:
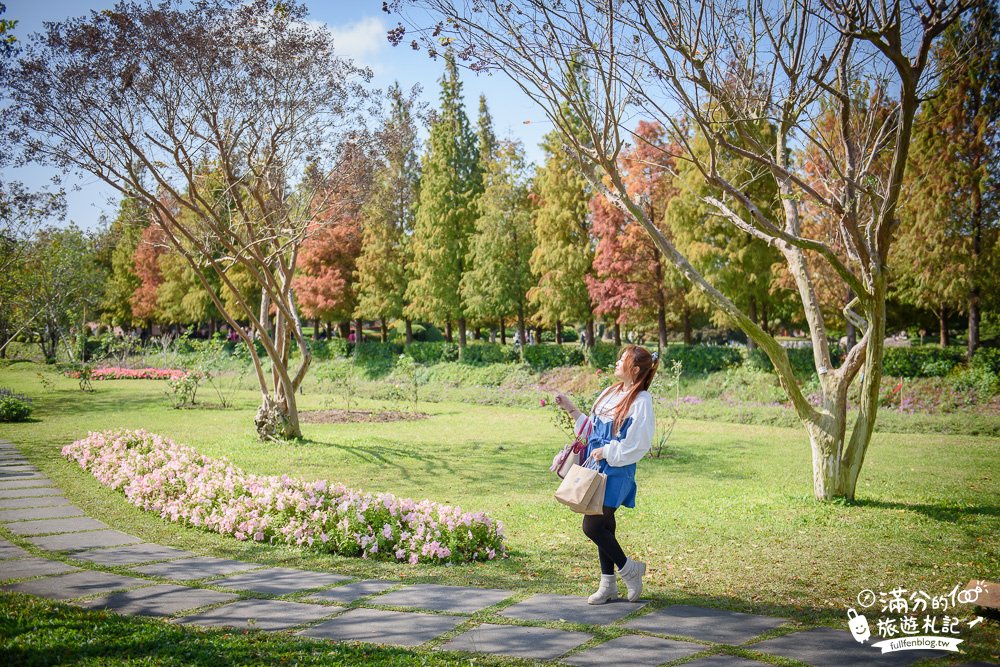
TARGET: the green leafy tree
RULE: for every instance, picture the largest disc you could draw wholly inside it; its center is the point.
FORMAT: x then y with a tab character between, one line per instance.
736	262
385	264
498	281
446	211
62	287
947	257
124	234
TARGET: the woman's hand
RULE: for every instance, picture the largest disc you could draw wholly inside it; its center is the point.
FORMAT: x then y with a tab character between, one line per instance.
598	454
563	402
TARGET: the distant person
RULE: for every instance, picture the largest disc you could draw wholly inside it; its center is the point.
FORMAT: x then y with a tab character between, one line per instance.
623	427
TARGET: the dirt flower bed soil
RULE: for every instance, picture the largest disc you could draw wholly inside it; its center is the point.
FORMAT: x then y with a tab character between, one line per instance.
355	416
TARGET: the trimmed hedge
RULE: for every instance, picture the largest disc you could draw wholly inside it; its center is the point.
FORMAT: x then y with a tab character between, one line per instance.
603	354
424	352
702	359
543	357
479	354
924	361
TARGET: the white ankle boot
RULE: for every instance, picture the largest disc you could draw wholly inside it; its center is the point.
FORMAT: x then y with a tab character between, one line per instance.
607	591
631	574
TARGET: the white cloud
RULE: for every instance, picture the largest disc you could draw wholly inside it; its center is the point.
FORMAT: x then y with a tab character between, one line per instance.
360	40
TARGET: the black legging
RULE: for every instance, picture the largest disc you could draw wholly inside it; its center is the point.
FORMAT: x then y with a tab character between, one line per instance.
601	530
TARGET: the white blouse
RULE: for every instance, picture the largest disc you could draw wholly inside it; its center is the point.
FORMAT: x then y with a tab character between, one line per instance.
638	439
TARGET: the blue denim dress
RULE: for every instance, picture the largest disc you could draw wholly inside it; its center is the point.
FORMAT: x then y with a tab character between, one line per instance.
621	480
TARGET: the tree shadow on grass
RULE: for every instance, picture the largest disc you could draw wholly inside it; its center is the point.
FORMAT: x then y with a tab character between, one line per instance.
938	512
388	455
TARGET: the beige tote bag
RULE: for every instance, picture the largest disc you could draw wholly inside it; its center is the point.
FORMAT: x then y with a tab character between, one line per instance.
580	486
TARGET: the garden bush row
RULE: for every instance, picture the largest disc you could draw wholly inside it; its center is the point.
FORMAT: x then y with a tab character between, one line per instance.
185	487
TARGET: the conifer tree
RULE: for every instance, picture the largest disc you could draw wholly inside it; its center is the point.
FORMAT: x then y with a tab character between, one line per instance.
563	254
446	211
499	277
385	263
947	258
126	232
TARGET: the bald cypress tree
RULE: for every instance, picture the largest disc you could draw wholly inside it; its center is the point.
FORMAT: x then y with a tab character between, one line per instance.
385	264
451	182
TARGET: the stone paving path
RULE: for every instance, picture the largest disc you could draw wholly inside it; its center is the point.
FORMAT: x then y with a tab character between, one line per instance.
340	608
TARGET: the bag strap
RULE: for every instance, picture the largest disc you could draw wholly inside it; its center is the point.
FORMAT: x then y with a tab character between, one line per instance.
589	424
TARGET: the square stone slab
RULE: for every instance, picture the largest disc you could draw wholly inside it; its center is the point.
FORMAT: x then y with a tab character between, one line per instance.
131	555
33	567
9	550
637	650
39	480
398	628
29	513
454	599
571	609
162	600
33	492
520	642
352	592
80	541
262	614
200	567
19	503
75	585
826	647
46	526
724	661
279	580
706	624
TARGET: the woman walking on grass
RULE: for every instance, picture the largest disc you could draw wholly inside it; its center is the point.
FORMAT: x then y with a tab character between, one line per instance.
622	433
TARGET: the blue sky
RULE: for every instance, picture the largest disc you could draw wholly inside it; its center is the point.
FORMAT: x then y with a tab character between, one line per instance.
359	28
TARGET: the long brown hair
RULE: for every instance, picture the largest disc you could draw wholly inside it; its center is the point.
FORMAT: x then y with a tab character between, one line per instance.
638	356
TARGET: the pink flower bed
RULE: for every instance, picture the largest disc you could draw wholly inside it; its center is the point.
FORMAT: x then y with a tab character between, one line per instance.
132	374
185	487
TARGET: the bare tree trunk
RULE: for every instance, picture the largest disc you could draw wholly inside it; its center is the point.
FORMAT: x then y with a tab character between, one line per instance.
589	331
409	330
384	328
461	332
558	332
618	334
447	332
521	328
686	323
345	329
944	337
503	332
359	331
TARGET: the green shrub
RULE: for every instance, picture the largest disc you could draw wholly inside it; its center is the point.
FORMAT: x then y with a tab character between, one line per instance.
424	352
925	361
543	357
980	379
987	357
800	358
14	407
378	352
603	354
488	353
702	359
489	375
330	348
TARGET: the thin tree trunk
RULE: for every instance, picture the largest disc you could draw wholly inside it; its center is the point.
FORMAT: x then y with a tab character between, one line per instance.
589	331
447	332
345	329
521	328
503	332
461	334
688	329
558	332
316	327
943	336
538	335
359	331
409	330
385	330
852	332
618	334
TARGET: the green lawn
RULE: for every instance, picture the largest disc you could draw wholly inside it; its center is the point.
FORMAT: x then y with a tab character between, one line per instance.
725	519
